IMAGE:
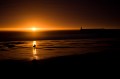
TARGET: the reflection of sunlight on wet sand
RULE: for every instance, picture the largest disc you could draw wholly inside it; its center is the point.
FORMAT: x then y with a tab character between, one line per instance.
35	57
34	43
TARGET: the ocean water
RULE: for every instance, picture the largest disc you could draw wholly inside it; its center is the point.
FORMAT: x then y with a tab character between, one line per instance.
17	46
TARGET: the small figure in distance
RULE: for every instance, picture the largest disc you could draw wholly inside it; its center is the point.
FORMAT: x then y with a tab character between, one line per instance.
34	46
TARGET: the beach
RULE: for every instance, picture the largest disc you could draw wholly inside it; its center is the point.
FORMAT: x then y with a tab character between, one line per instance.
65	52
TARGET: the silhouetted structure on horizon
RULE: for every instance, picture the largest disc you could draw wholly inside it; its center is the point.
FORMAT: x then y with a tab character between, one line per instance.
81	28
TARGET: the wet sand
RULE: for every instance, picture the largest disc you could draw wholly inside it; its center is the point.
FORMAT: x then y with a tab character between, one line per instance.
104	58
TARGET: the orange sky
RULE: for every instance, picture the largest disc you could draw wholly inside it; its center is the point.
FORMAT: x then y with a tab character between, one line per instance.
59	14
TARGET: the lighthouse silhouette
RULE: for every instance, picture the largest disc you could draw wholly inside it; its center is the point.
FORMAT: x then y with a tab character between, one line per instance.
81	28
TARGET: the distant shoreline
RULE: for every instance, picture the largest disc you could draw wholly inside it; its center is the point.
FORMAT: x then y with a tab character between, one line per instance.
60	35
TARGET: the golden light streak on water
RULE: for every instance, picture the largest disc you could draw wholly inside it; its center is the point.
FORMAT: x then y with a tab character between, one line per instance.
35	57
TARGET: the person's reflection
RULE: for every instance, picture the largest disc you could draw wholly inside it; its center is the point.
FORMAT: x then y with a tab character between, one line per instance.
34	51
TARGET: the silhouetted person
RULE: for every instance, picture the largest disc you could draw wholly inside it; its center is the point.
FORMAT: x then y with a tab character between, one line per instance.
34	45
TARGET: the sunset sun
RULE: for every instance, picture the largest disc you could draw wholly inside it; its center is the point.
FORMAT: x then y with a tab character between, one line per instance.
34	29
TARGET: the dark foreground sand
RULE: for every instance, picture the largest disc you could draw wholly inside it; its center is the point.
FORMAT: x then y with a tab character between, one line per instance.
105	59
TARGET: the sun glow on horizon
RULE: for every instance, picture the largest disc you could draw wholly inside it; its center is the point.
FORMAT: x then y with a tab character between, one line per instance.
34	29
